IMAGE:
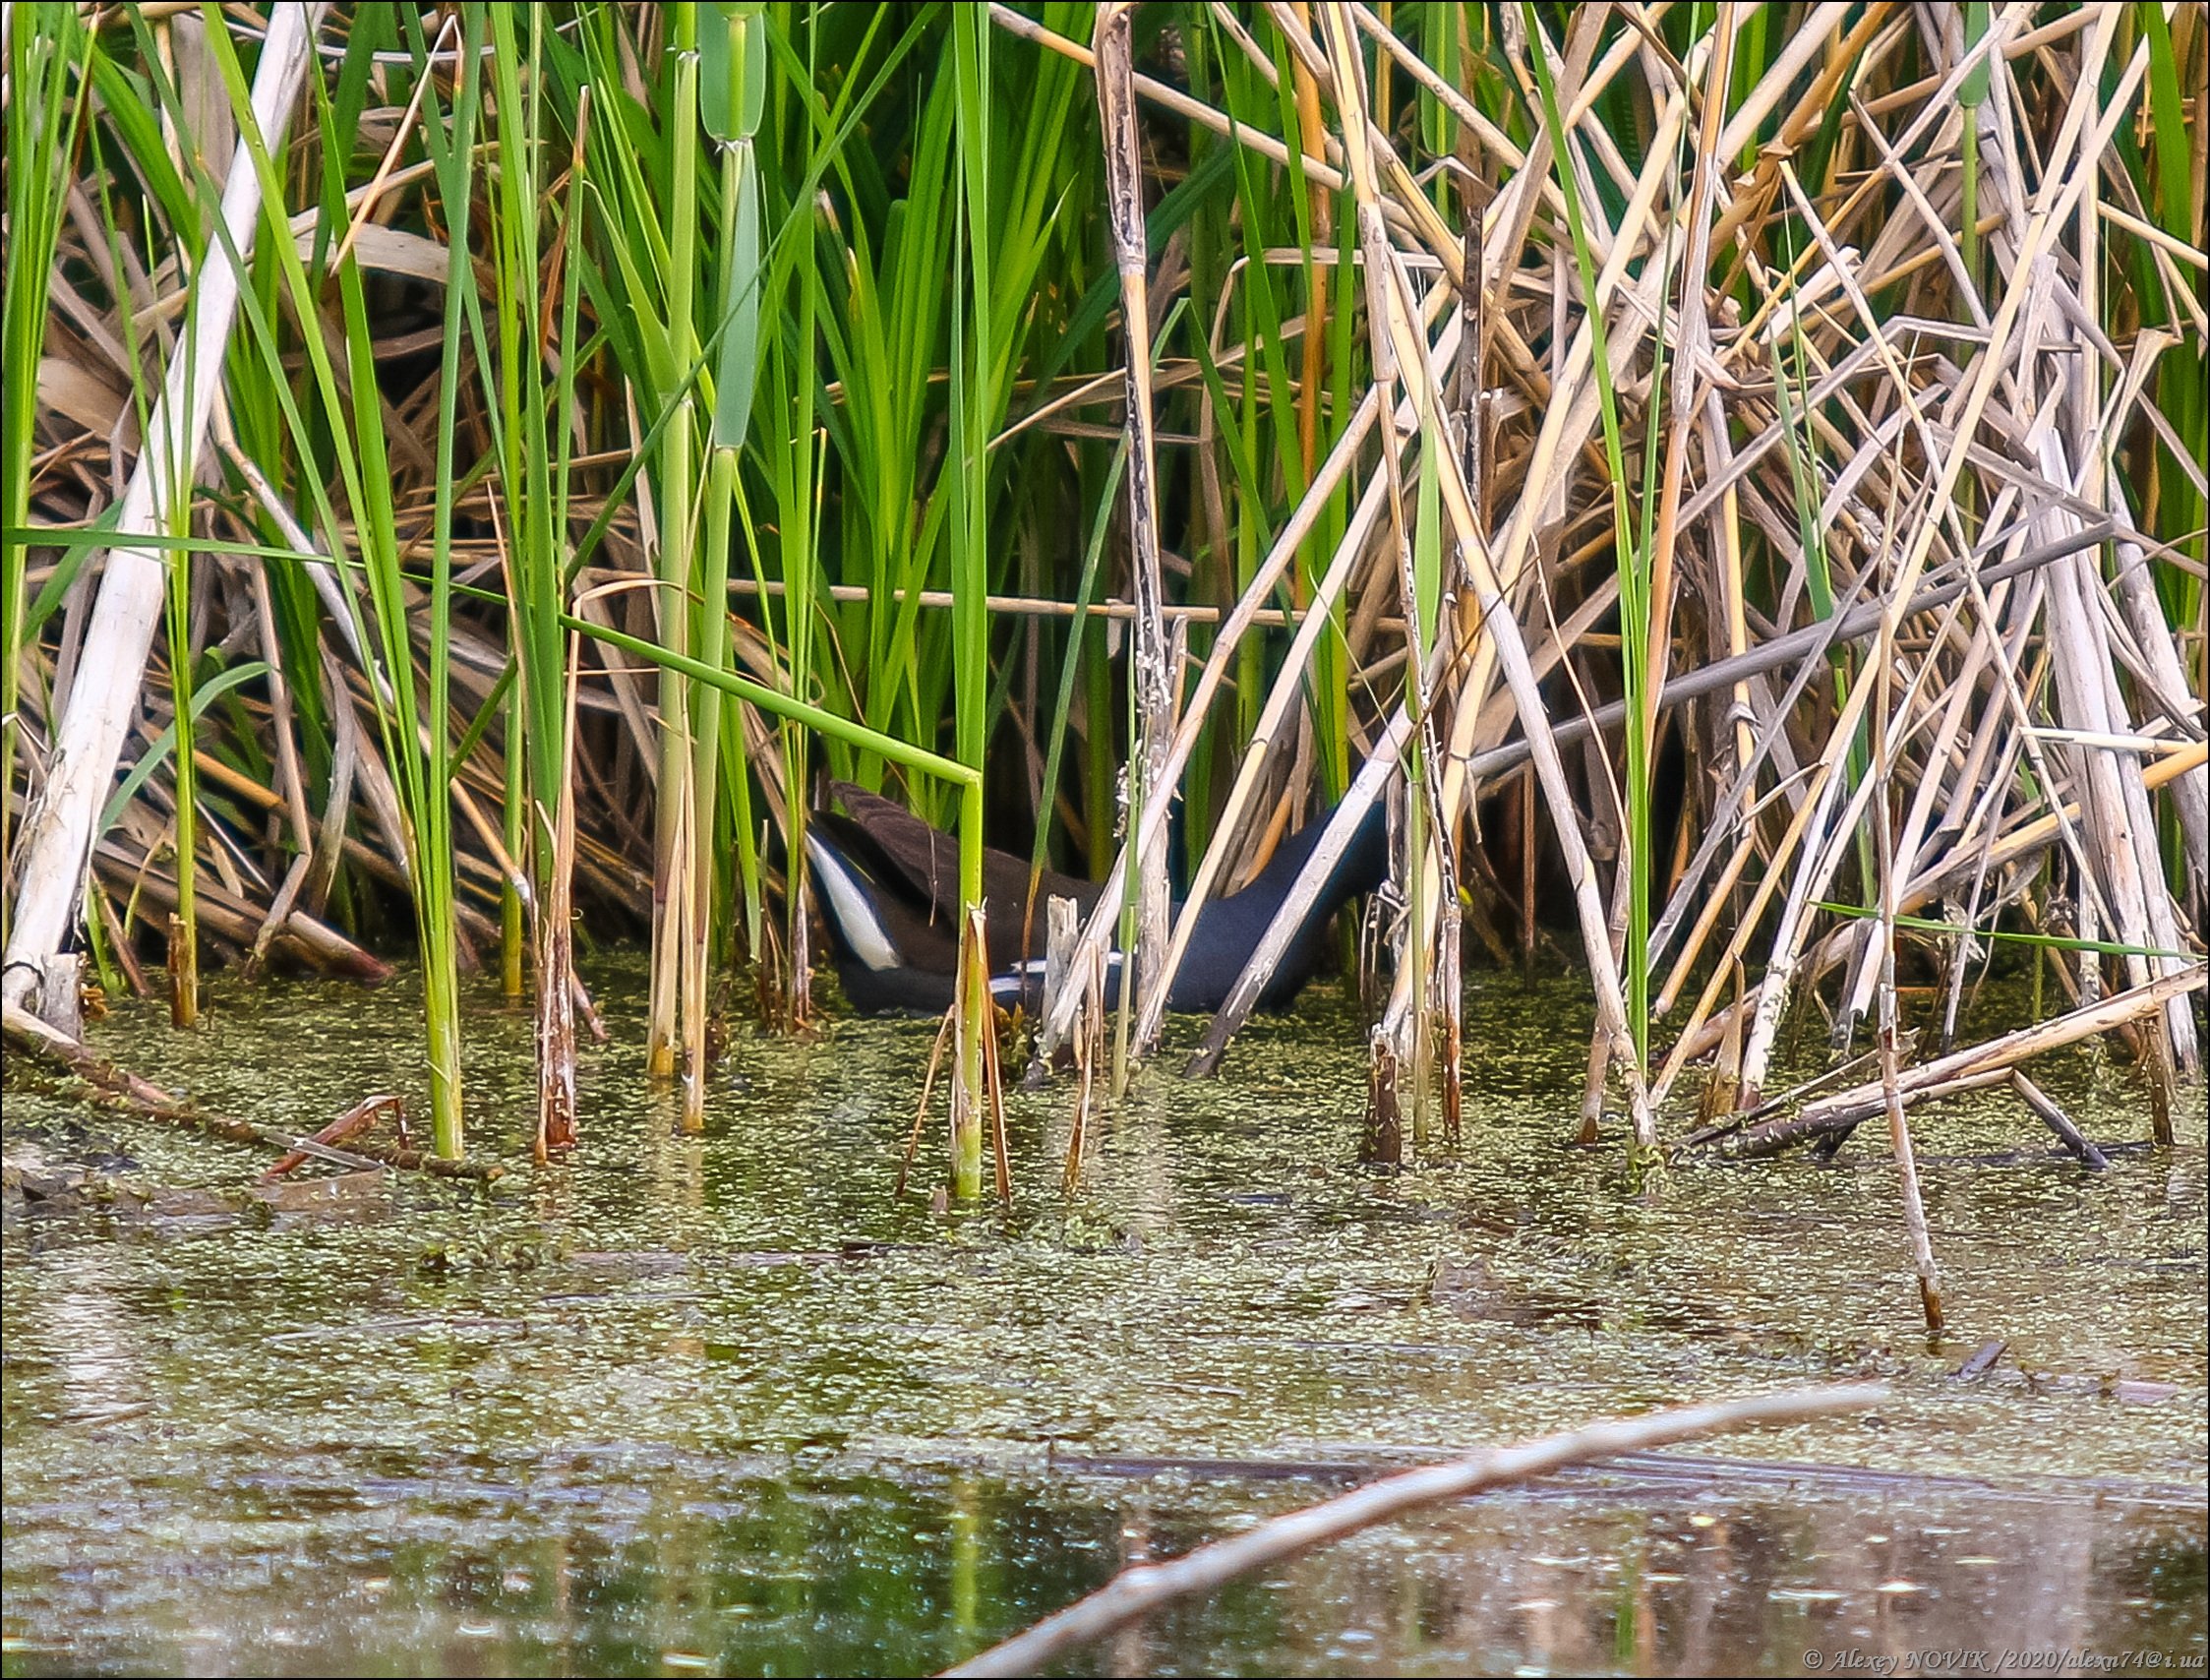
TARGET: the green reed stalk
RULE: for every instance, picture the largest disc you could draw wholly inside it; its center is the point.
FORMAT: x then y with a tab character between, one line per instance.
352	430
407	723
184	925
2009	936
857	737
535	531
1972	93
737	54
677	848
708	712
969	483
734	56
426	753
514	932
2182	391
416	736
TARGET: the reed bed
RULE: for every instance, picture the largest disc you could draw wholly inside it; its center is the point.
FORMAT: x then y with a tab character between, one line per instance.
1732	479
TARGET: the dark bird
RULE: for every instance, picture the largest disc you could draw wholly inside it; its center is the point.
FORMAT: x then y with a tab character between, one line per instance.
888	887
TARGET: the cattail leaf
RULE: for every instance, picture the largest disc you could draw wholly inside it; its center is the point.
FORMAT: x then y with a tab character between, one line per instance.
720	56
738	369
751	68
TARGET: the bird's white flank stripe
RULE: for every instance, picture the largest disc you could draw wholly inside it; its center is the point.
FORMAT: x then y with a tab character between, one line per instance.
855	916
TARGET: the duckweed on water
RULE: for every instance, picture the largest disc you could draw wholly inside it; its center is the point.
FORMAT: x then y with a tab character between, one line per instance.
723	1400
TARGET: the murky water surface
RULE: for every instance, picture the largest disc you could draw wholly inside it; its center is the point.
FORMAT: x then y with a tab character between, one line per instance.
722	1404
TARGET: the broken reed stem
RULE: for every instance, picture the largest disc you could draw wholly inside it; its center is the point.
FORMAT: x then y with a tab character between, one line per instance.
183	953
1449	1006
993	1081
555	1015
973	1030
2057	1120
110	1086
1823	1125
1906	1166
927	1088
1088	1047
1077	1129
350	1124
1381	1143
1891	1093
1146	1587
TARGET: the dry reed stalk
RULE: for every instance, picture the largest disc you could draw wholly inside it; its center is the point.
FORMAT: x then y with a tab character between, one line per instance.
1891	1057
928	1089
1152	676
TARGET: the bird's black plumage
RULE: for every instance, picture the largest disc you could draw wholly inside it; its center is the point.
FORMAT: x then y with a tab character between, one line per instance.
888	887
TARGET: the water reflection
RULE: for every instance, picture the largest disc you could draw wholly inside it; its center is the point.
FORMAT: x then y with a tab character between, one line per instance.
629	1561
